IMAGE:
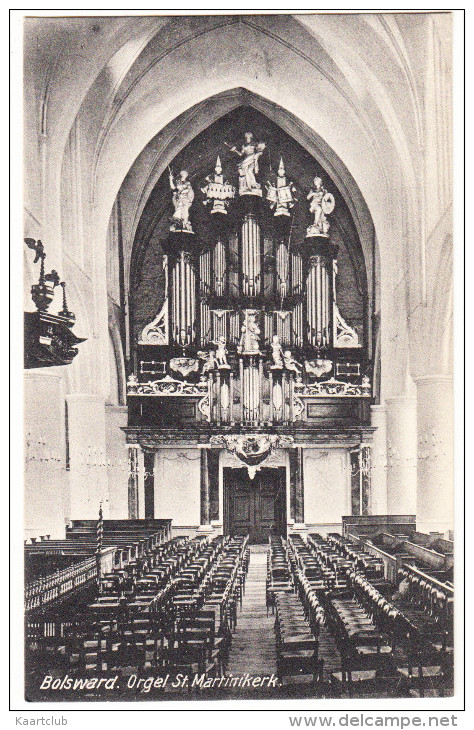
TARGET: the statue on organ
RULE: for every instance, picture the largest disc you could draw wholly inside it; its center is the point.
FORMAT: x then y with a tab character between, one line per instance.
221	353
277	352
321	205
183	196
290	363
250	337
248	167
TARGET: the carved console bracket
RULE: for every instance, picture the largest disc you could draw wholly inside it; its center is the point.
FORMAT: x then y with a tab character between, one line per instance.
252	449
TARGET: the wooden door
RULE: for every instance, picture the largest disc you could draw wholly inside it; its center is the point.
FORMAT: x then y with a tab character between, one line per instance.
255	507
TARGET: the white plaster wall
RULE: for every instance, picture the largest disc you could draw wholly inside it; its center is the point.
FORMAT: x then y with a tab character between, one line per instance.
88	456
177	486
117	461
326	487
46	495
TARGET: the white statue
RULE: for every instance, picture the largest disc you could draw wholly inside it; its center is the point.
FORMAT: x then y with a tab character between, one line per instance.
218	192
183	197
248	167
250	337
221	352
290	363
322	204
210	362
277	352
281	197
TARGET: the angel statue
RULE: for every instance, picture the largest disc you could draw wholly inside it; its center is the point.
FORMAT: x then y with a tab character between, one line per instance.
290	363
277	352
183	196
248	167
322	204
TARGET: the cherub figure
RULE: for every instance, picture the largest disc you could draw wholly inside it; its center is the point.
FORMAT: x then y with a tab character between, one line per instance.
210	361
290	363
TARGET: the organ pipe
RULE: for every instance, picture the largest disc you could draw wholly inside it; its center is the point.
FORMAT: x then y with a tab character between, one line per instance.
219	269
282	270
183	308
317	302
251	257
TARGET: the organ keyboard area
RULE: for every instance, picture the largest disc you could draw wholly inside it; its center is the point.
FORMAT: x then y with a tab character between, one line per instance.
169	608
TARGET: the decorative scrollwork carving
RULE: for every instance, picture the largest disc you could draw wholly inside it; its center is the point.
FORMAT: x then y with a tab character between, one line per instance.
156	332
167	386
333	387
344	335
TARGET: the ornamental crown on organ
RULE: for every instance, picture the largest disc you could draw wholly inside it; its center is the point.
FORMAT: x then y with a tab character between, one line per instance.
249	303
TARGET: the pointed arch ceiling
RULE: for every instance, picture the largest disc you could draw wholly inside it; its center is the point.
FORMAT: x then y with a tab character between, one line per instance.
318	69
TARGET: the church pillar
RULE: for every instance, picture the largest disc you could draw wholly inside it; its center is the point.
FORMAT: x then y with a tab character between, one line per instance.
296	486
46	502
435	453
401	455
205	489
379	460
133	482
140	484
87	456
149	483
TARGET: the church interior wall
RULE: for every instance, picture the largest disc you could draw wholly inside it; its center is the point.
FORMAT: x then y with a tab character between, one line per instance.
177	488
117	464
88	454
99	96
326	488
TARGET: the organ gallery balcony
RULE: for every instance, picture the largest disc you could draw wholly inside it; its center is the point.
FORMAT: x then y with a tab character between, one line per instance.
250	394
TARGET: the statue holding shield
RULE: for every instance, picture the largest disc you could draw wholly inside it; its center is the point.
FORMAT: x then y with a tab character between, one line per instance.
321	204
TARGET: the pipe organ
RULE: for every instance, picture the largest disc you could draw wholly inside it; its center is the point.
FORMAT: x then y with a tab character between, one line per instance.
256	336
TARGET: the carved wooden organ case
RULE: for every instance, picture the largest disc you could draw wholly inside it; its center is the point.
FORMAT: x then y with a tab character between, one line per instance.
250	332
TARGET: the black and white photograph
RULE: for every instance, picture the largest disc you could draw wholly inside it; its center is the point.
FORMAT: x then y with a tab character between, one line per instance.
238	357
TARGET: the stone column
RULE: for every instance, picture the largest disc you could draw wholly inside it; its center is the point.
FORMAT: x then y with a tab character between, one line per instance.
435	453
141	484
205	490
379	460
401	455
296	486
46	504
149	484
133	482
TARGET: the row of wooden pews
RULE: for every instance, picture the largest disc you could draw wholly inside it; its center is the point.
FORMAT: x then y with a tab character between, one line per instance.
171	612
390	636
296	635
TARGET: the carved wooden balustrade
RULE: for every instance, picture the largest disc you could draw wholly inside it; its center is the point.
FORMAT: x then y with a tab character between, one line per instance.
253	397
49	588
